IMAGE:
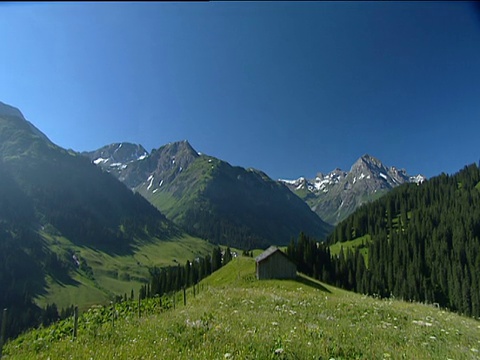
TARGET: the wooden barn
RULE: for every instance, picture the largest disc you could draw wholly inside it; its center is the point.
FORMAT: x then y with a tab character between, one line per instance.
274	264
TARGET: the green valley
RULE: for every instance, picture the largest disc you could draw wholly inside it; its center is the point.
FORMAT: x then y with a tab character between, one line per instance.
112	275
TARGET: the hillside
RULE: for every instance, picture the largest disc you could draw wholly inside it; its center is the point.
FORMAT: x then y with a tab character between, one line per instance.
235	316
70	232
210	198
336	195
423	242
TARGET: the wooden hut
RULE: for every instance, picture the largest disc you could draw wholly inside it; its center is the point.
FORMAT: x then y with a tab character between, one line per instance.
274	264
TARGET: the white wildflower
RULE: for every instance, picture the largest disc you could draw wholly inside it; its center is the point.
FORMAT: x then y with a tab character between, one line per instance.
278	351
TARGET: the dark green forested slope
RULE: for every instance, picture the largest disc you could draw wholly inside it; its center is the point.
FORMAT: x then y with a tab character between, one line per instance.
425	242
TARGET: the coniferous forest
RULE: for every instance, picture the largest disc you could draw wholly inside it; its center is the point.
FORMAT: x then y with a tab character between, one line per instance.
424	245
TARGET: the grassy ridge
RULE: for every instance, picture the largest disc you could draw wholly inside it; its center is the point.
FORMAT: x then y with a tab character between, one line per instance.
237	317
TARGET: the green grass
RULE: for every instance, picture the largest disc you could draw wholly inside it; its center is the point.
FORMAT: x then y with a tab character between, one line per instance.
236	316
115	275
352	245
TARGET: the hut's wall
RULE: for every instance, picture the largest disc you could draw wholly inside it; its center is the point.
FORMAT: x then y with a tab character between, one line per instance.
276	266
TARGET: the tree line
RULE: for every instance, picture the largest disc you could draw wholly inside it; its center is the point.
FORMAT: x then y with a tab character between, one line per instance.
174	278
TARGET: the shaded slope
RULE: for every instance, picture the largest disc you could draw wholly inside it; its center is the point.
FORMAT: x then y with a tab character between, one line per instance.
68	192
53	203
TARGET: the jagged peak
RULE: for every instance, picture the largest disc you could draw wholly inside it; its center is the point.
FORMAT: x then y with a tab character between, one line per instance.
178	147
369	159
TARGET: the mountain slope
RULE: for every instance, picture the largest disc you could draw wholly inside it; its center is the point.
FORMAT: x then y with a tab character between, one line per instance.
336	195
58	212
223	203
424	242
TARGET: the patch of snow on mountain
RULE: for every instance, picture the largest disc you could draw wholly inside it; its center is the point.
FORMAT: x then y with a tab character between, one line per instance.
100	161
291	182
124	166
161	182
362	175
143	156
154	191
150	178
321	184
417	179
117	148
383	176
116	164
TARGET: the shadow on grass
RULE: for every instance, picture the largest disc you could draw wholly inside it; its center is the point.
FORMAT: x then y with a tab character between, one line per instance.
311	283
64	279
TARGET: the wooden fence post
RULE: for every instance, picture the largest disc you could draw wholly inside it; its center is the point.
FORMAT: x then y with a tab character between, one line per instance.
184	296
174	300
3	334
113	314
75	322
139	305
194	290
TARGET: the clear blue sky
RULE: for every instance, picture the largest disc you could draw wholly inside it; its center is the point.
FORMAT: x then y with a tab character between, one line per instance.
291	88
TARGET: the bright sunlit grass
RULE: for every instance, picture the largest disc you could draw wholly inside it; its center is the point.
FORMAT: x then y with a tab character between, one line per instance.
236	316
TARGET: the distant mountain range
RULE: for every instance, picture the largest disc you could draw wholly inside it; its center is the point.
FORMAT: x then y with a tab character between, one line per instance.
339	193
161	177
210	198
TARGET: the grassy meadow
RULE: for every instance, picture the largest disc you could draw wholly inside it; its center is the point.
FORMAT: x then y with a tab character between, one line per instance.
115	274
235	316
362	242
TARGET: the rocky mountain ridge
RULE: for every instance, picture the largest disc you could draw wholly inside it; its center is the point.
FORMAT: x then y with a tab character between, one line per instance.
336	195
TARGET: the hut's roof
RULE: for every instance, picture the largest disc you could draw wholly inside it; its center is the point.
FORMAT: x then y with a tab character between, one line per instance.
271	250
